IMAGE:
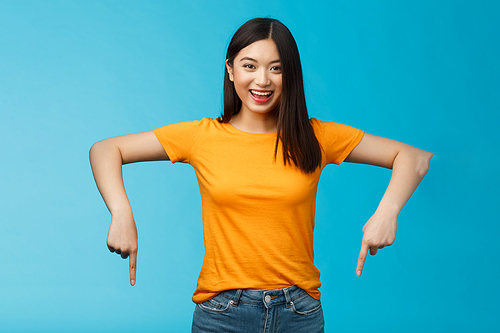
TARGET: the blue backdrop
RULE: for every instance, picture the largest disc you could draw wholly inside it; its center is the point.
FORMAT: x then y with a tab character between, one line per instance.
74	72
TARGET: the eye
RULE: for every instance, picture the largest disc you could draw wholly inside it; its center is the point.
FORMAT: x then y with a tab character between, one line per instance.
250	66
276	68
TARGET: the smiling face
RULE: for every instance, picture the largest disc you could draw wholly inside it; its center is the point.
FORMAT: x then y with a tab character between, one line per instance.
256	74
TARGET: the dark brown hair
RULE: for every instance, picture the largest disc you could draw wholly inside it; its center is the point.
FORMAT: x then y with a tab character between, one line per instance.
295	132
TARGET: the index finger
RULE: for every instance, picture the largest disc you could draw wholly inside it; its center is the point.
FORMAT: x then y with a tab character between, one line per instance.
362	258
132	267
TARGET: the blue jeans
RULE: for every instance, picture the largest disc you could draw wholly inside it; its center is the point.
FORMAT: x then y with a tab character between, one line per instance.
288	310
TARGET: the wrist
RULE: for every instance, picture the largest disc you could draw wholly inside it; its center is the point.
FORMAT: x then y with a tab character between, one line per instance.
122	214
387	209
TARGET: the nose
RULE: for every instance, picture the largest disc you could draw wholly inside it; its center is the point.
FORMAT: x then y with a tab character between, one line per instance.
262	78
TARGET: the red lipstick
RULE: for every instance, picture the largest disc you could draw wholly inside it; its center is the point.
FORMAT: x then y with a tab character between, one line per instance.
261	98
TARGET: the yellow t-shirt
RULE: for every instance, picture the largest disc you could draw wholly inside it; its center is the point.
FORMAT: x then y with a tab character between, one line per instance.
258	215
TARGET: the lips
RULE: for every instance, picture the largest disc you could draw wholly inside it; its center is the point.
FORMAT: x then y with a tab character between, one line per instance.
261	96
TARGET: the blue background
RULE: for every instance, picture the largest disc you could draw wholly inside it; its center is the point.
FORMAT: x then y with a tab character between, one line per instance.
74	72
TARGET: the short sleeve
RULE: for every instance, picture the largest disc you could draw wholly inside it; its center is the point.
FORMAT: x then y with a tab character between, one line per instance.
178	139
336	140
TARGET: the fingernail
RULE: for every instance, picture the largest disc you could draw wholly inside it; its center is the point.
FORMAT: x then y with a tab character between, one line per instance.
132	282
358	273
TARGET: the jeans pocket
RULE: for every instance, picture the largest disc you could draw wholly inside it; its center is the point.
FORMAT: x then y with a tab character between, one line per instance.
219	303
305	305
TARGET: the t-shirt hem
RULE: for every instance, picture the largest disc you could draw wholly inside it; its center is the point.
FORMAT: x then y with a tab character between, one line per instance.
350	148
166	146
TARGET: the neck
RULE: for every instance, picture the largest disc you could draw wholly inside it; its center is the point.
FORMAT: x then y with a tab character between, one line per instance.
255	123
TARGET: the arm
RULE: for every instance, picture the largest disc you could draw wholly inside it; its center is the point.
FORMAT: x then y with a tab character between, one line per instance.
106	159
409	166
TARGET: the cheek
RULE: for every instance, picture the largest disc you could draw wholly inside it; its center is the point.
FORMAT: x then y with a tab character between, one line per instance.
239	80
279	90
279	85
240	87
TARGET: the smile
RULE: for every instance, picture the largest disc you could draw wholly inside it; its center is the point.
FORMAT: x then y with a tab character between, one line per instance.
261	96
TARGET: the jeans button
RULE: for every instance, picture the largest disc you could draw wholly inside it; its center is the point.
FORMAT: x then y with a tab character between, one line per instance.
267	298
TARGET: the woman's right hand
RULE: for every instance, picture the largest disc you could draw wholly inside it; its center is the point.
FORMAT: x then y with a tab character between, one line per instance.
106	159
122	239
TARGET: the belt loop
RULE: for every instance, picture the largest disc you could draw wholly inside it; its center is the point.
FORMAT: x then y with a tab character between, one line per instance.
287	295
236	299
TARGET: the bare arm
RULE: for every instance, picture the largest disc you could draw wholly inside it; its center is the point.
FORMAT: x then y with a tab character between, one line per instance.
106	159
409	166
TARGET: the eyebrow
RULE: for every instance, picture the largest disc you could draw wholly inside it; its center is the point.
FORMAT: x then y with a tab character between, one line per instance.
252	59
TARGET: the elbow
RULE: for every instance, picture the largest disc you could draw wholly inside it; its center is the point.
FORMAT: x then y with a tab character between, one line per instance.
102	149
95	148
423	162
92	150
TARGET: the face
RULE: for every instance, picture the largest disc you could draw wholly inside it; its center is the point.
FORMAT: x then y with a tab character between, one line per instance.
256	73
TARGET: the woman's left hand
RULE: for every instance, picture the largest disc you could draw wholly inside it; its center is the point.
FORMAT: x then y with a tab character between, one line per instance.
409	165
378	232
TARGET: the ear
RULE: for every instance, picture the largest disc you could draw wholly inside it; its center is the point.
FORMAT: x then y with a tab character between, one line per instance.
229	71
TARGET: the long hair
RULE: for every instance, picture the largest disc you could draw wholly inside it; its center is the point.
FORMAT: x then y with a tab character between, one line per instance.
299	144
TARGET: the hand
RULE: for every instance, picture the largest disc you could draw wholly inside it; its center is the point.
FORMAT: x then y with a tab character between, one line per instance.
378	232
122	239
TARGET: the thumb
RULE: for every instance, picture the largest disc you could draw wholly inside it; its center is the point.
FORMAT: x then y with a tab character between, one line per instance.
133	267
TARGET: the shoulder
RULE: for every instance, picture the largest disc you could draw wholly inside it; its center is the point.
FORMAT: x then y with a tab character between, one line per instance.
187	125
208	122
322	124
328	128
337	140
178	139
191	130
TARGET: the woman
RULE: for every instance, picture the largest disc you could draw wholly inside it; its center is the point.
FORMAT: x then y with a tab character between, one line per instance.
258	167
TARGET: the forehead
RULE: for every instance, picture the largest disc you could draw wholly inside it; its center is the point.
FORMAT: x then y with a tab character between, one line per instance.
261	50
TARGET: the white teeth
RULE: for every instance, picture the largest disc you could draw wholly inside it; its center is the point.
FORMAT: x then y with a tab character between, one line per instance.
267	93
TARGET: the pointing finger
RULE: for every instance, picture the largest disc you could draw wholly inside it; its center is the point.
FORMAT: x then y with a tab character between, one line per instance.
133	267
362	258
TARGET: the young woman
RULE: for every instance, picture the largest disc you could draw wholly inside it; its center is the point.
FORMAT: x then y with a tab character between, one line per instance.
258	167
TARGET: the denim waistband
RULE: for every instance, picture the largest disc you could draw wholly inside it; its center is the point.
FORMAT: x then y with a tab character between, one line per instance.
267	297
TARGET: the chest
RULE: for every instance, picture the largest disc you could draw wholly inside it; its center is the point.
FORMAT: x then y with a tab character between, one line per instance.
231	170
